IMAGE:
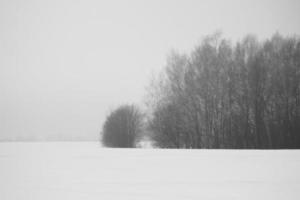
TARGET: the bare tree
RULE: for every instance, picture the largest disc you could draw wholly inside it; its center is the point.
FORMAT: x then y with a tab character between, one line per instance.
122	127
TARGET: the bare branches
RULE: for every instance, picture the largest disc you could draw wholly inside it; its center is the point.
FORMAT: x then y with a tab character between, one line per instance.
224	96
122	127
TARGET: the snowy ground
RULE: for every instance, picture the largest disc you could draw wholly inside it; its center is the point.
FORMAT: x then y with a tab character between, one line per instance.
61	170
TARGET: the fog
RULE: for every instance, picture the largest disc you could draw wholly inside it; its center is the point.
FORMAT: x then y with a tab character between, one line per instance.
64	64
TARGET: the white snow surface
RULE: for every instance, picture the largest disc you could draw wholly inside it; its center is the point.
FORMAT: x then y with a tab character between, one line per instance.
84	170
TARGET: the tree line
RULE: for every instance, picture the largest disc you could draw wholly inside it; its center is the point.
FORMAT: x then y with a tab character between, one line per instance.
224	95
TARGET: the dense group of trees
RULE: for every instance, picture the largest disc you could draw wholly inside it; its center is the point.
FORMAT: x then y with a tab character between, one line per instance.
245	95
221	95
122	127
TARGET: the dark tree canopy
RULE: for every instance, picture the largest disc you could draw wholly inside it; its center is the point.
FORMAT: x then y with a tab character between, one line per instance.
122	127
245	95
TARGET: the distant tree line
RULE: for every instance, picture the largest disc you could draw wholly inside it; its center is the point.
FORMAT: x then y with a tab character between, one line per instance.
245	95
221	95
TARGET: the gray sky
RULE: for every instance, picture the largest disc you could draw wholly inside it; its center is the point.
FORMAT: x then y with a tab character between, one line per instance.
65	63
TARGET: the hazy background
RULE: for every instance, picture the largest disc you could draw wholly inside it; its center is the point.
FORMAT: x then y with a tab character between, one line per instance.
64	64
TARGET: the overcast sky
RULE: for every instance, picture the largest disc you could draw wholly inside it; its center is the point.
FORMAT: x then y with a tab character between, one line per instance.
65	63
